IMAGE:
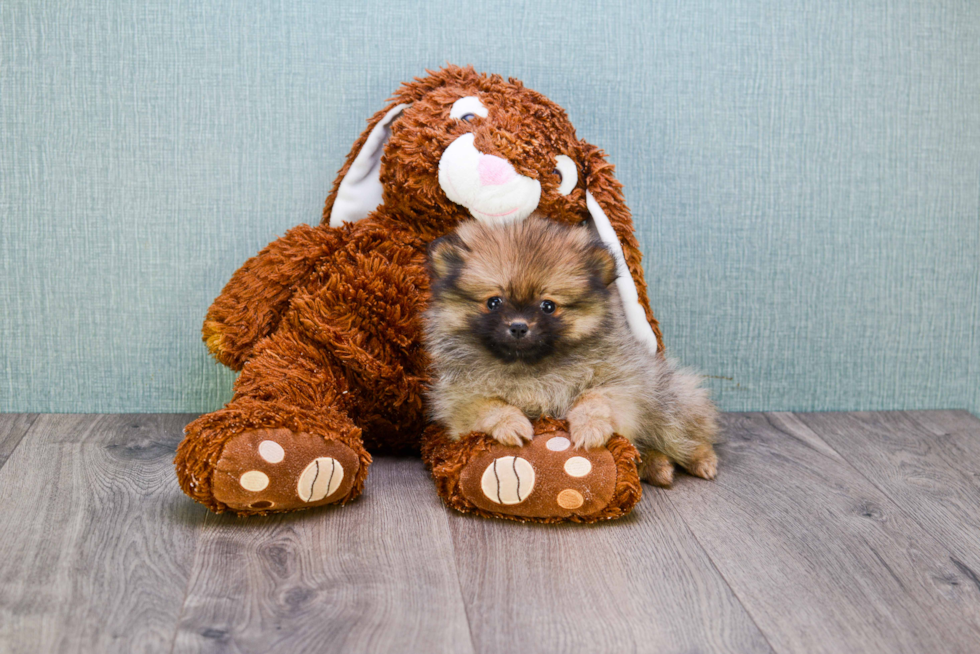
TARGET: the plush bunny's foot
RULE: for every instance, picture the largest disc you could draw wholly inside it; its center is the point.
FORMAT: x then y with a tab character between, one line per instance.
546	480
265	470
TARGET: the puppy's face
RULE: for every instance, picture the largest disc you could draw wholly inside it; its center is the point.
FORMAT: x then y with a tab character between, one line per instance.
520	291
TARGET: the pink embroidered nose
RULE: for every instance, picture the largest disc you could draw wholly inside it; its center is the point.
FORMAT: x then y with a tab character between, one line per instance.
494	171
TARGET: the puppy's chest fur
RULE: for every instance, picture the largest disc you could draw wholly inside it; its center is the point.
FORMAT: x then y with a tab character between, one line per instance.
549	390
549	387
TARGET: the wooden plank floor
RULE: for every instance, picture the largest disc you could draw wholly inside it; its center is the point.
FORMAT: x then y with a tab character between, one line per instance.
846	532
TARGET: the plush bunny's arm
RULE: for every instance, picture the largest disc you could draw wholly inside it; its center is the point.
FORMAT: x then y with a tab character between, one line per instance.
254	299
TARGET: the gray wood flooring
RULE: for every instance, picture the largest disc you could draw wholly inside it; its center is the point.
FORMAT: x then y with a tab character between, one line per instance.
834	532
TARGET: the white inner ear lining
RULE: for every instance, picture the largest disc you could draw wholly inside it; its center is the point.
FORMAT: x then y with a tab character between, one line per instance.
360	190
636	317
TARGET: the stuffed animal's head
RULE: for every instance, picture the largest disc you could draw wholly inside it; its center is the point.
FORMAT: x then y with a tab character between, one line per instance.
458	144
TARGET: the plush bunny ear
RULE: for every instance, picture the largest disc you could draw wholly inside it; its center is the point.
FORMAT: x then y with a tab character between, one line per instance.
611	219
357	191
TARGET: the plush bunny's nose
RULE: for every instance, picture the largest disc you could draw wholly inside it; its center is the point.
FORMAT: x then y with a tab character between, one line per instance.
494	171
487	185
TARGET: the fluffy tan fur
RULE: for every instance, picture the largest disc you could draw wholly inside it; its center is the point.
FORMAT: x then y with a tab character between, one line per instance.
595	374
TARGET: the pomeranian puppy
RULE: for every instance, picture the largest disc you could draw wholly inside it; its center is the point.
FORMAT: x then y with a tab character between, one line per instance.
525	320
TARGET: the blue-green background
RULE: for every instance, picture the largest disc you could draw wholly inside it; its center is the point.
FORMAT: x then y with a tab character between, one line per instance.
805	177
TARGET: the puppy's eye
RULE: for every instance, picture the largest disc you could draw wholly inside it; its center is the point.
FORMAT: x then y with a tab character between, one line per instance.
548	306
494	302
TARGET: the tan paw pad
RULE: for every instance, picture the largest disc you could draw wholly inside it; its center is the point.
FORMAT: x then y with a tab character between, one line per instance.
578	466
558	443
508	480
271	451
570	499
319	479
254	481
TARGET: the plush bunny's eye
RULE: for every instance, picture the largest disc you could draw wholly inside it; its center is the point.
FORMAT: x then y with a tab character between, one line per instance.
468	108
567	173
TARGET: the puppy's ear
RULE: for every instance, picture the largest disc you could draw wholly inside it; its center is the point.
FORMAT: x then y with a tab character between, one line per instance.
357	189
446	256
602	264
613	223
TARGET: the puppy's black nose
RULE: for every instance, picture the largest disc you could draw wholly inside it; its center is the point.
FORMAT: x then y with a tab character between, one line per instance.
518	329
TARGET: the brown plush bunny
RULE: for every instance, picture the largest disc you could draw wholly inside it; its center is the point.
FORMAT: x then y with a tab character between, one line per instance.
324	323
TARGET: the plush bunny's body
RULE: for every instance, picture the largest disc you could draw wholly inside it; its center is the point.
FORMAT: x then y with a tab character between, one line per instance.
325	322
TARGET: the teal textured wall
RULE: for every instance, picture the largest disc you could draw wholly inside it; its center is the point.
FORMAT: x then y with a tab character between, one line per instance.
805	178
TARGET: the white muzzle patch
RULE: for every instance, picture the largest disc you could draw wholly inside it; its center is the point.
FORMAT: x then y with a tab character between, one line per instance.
486	185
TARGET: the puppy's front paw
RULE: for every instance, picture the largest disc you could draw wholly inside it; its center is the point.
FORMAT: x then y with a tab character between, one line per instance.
512	428
590	434
590	424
